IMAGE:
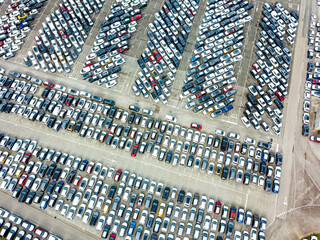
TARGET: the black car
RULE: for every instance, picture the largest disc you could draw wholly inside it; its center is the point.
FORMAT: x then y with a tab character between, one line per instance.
154	206
94	219
105	232
264	145
305	130
23	195
279	159
181	196
267	185
225	172
71	176
166	193
51	187
30	197
112	191
59	187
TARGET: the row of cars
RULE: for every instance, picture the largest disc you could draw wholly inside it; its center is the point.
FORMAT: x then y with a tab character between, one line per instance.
313	77
105	59
170	143
167	39
312	83
272	69
210	83
116	202
15	25
63	36
10	224
167	142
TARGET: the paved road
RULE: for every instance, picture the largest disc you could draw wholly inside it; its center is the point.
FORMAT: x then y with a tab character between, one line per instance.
298	203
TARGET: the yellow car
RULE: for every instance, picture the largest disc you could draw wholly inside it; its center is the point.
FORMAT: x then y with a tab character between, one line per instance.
105	62
61	59
4	157
22	16
71	126
161	209
106	207
228	49
155	75
19	171
207	111
218	170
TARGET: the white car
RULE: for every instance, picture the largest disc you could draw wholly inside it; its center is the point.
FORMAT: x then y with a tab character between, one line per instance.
306	95
245	121
220	132
234	135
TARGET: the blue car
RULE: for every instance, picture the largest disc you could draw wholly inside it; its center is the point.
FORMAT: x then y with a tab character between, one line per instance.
227	108
44	202
265	155
131	228
195	58
309	76
275	186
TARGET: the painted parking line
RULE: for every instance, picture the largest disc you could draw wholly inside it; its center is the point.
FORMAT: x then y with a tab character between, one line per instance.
115	154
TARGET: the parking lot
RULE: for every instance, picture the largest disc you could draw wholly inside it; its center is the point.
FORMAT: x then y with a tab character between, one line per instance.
247	196
43	204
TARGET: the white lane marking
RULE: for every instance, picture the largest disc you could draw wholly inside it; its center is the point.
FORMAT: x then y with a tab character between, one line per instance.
122	156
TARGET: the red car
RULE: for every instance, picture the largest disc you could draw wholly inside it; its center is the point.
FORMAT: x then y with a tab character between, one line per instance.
117	176
136	17
217	208
62	8
14	5
133	133
280	96
124	48
90	167
232	214
23	179
230	31
196	126
134	150
256	67
200	94
48	84
123	32
315	139
6	27
41	232
62	35
26	158
314	81
153	60
68	101
38	40
227	88
226	1
165	8
193	12
156	55
152	81
237	147
87	64
113	128
77	180
112	237
102	137
140	199
1	43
